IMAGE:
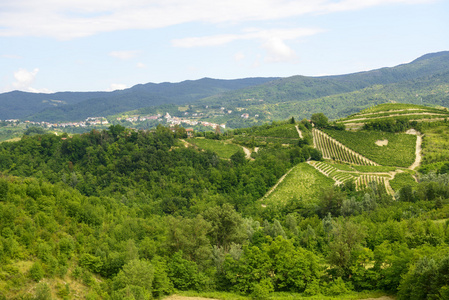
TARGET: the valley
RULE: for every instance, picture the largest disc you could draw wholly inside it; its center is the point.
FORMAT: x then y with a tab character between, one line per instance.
333	187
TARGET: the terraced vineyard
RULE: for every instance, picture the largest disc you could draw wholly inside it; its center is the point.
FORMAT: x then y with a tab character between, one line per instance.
360	179
303	182
337	175
399	150
389	111
333	149
364	180
367	156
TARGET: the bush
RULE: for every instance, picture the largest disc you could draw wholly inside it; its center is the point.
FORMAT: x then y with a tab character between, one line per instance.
337	287
262	290
43	292
36	271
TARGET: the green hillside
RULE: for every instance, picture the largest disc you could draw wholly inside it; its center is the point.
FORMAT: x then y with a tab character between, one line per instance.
73	106
392	112
134	214
423	81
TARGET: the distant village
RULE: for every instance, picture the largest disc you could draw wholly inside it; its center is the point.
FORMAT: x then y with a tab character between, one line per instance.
97	121
173	120
91	121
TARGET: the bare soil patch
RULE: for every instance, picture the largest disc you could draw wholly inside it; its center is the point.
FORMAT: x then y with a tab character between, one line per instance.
381	143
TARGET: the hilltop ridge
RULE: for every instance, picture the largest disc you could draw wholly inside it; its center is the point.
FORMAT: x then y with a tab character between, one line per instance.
269	98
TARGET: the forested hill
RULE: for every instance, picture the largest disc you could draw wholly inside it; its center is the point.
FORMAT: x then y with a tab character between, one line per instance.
72	106
424	79
126	214
301	88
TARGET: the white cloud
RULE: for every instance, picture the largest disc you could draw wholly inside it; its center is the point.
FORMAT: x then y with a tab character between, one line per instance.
273	41
278	51
124	55
117	86
141	65
78	18
249	34
24	79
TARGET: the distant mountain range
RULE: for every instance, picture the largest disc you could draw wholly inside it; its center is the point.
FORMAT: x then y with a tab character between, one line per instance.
72	106
423	81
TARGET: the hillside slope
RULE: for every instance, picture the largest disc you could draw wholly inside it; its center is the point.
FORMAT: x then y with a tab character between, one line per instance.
71	106
301	88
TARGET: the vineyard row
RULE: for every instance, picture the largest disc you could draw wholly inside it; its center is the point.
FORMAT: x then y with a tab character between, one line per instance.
332	149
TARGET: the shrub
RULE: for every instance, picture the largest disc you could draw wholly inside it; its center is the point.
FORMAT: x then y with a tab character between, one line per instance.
36	271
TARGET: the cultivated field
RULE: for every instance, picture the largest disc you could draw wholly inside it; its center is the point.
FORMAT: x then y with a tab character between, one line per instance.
224	149
303	182
335	150
399	152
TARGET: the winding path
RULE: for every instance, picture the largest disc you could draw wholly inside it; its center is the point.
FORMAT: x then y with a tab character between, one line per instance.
299	132
247	153
417	149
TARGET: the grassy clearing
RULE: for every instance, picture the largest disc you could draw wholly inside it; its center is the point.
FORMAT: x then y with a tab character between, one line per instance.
224	149
399	152
303	182
401	180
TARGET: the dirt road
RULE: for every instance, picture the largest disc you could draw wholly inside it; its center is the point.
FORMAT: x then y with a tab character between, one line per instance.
417	149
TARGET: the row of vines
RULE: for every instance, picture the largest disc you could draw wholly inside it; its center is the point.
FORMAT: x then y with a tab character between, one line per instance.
335	150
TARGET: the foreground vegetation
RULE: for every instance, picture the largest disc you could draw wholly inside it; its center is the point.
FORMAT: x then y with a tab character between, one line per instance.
124	214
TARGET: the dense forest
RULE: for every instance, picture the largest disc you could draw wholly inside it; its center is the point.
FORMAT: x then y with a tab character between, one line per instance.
125	214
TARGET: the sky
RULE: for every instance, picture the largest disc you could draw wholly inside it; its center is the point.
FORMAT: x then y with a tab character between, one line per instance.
104	45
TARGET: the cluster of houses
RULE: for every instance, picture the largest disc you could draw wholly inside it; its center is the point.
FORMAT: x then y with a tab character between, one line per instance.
88	122
141	118
173	120
178	121
91	121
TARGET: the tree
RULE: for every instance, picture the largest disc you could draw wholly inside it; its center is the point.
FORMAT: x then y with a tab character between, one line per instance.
3	189
293	267
183	273
135	273
239	157
320	120
190	237
227	226
331	201
306	123
346	240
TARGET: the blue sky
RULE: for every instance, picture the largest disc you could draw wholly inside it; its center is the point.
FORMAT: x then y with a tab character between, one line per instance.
93	45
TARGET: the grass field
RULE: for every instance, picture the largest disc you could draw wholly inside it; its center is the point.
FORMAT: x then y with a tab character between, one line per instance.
435	147
399	152
223	149
303	182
